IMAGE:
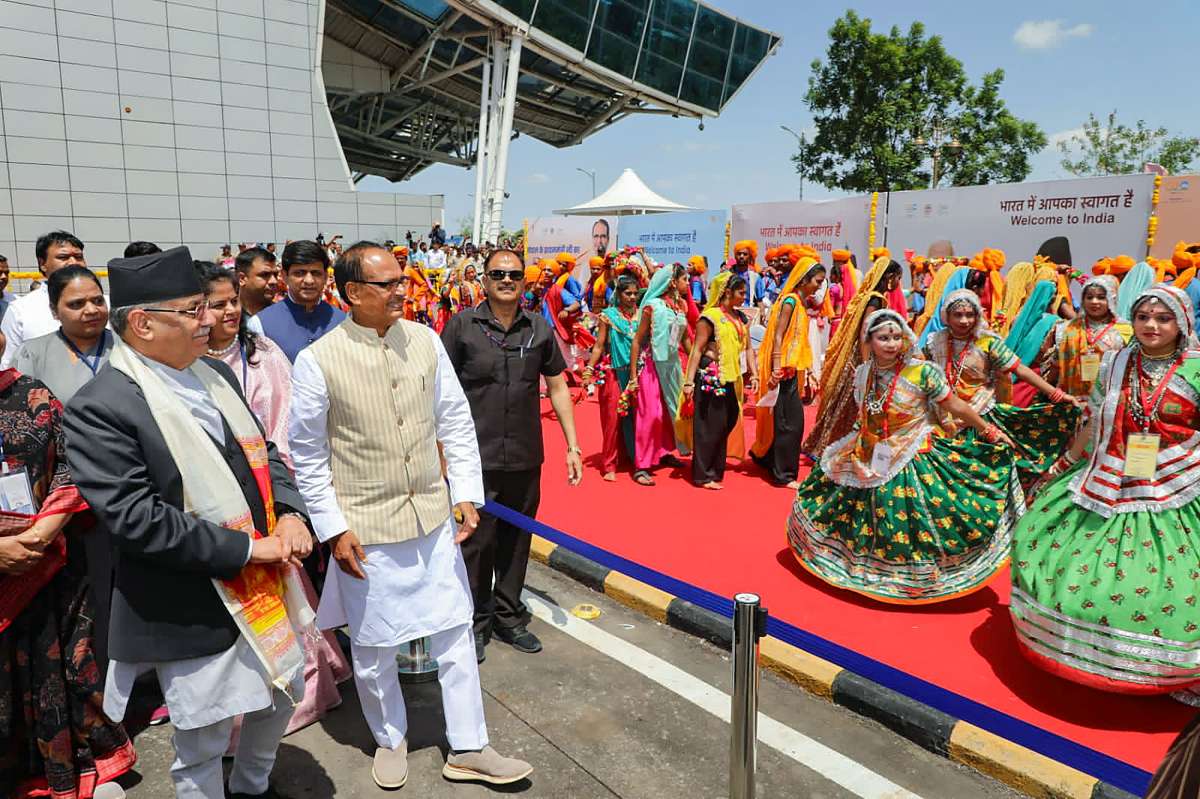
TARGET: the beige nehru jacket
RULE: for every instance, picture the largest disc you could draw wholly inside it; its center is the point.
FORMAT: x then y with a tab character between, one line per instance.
382	441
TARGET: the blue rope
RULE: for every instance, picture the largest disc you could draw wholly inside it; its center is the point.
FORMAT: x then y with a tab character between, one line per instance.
1089	761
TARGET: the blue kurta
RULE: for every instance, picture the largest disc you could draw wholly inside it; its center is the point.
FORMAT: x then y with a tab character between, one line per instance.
293	328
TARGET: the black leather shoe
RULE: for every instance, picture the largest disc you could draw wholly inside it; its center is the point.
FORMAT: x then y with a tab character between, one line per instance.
519	638
480	647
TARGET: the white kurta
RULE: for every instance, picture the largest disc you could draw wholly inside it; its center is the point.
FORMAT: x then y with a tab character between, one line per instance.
203	690
413	588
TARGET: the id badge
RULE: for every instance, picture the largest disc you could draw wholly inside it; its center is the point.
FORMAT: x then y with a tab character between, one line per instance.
881	458
1141	455
1089	366
16	493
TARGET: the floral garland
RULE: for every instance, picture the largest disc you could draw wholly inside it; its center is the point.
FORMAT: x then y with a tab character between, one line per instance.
1152	222
871	225
710	379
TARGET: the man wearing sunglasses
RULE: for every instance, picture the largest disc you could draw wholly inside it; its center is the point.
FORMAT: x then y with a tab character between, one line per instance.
182	482
371	402
501	352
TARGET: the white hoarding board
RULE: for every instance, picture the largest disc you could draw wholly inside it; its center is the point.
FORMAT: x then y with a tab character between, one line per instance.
582	236
1099	216
825	226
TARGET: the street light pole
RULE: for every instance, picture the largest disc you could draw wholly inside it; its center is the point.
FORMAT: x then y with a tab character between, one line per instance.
801	146
935	144
591	173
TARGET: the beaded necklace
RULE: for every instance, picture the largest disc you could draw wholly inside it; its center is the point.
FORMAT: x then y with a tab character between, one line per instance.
954	365
1158	373
875	403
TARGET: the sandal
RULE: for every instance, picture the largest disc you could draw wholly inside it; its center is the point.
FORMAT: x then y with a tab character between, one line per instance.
643	478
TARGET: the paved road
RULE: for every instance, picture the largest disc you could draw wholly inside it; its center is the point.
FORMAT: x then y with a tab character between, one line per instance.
621	713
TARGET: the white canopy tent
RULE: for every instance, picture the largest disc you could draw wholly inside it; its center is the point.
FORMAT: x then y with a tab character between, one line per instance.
627	195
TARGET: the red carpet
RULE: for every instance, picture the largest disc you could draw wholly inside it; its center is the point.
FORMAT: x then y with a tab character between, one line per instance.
734	540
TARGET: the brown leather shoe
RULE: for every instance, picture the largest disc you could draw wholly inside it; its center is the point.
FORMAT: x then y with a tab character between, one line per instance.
486	765
390	768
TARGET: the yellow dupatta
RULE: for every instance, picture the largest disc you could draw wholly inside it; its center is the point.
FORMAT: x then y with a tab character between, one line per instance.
728	341
796	352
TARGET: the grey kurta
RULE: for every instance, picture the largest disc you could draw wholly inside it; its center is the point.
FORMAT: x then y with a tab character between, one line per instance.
51	359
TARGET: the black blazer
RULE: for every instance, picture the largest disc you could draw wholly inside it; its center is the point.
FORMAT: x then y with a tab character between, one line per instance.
163	603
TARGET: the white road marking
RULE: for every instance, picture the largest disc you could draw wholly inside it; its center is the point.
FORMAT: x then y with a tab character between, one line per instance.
829	763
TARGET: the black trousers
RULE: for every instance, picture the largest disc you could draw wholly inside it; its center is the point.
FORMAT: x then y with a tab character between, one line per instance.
782	460
714	420
497	555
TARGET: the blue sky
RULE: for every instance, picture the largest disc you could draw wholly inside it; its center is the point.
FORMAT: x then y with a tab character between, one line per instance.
1062	60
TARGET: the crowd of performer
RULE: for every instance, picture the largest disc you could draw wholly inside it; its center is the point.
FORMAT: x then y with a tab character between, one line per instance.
347	405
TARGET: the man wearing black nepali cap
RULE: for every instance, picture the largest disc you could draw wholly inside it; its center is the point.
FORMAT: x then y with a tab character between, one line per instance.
203	519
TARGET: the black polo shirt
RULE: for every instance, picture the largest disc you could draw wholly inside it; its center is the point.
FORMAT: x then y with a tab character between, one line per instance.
499	371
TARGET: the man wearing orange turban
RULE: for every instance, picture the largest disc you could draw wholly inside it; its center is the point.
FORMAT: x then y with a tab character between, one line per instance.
1186	258
843	285
596	267
697	267
745	266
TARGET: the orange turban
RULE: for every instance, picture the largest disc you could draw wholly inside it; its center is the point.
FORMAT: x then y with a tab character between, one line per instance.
772	253
748	244
399	251
697	265
595	260
988	260
1164	268
1183	259
880	252
840	256
533	274
797	251
1117	267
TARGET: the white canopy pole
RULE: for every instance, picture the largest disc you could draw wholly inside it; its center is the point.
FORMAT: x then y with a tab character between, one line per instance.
481	150
506	119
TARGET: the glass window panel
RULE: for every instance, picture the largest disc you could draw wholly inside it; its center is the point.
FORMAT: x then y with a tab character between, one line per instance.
617	34
750	47
701	90
665	47
522	8
431	9
705	75
566	20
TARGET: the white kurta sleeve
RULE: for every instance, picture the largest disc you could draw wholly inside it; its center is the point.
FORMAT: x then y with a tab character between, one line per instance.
456	432
254	325
11	328
310	447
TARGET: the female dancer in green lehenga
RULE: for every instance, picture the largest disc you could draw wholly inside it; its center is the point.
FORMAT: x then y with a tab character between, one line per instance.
1106	571
893	511
976	365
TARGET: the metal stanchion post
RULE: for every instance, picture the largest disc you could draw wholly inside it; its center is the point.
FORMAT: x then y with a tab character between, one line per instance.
749	624
415	665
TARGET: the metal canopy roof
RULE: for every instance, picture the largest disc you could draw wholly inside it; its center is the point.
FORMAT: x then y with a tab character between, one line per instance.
585	65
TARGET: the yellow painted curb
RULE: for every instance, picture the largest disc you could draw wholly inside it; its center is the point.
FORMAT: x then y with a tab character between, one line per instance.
1029	772
810	672
637	595
540	549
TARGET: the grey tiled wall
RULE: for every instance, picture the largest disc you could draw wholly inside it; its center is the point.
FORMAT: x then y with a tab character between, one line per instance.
194	121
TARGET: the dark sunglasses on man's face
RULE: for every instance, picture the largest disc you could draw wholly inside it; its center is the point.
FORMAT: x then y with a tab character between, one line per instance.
499	274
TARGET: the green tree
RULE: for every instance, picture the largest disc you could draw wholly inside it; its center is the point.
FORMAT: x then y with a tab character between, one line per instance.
1113	148
876	101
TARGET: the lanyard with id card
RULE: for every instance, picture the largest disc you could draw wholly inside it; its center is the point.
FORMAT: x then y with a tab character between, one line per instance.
1141	455
881	458
1089	366
16	492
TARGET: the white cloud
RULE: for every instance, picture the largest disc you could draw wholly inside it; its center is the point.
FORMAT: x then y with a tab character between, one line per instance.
1047	33
1064	136
537	177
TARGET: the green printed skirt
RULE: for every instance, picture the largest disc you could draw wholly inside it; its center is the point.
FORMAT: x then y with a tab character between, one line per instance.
1109	603
937	530
1041	434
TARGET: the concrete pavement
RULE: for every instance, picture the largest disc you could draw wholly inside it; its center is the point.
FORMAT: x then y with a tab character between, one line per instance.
595	726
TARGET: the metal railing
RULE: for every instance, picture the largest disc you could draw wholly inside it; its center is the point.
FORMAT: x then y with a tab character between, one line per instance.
749	625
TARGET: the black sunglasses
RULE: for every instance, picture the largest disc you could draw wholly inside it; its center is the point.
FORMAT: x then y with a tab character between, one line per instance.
512	274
